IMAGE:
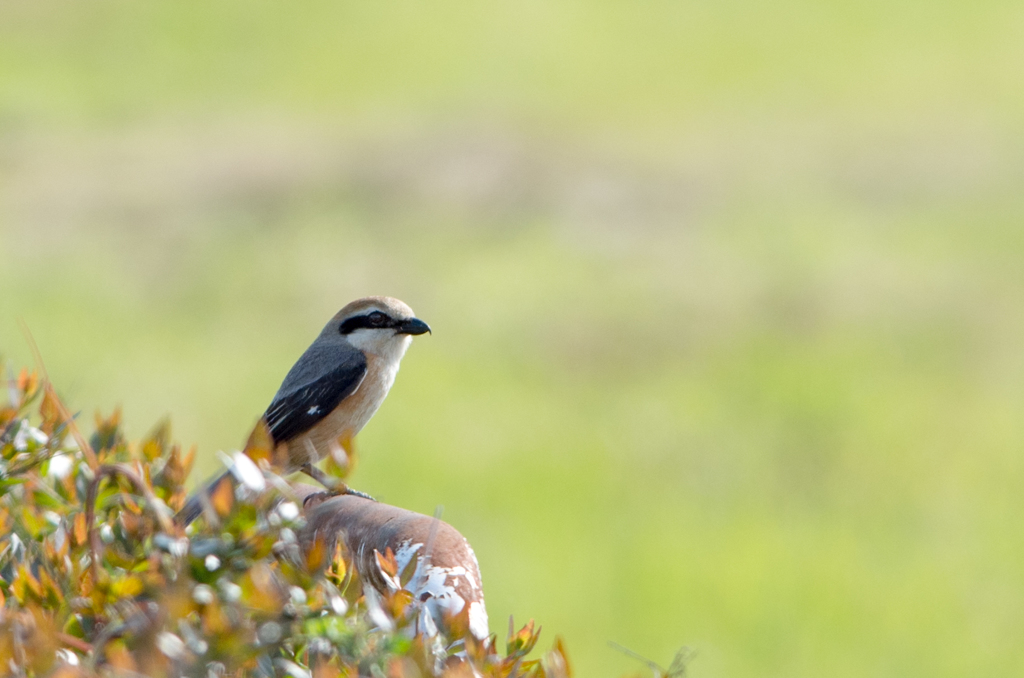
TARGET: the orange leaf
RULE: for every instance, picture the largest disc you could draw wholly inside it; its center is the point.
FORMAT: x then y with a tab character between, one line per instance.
49	410
386	562
7	415
222	497
260	590
67	671
214	621
107	433
129	587
558	658
20	590
522	641
119	657
186	461
53	593
80	532
342	458
338	566
260	445
325	669
86	587
31	582
131	504
27	382
316	556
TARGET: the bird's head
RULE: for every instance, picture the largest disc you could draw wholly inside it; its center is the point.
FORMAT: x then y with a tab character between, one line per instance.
381	326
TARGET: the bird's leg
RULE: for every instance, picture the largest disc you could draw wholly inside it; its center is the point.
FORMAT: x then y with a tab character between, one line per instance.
321	477
334	486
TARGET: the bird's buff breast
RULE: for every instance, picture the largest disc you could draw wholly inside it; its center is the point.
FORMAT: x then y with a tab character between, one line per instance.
348	418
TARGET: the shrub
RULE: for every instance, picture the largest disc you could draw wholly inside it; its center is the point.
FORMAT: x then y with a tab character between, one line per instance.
96	578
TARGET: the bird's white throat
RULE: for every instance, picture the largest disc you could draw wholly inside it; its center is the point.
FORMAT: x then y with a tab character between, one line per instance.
383	343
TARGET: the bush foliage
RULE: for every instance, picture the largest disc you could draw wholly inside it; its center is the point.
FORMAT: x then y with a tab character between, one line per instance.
96	577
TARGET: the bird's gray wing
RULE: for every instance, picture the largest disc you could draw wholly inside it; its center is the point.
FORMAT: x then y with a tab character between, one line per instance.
323	377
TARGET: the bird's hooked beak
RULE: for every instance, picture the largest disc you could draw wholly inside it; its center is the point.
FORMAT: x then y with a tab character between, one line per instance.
412	326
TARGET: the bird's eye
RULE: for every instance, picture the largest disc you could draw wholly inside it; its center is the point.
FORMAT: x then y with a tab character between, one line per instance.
377	318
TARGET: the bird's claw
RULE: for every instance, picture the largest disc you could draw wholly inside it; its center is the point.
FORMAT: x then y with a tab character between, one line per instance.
316	498
357	493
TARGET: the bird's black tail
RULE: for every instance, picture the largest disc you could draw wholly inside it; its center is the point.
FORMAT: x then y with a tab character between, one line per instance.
193	508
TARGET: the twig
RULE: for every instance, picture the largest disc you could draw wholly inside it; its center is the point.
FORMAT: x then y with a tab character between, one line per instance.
654	666
83	444
676	670
17	636
36	355
76	643
136	622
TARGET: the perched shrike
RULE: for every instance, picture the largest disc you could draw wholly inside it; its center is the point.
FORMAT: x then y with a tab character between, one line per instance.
336	386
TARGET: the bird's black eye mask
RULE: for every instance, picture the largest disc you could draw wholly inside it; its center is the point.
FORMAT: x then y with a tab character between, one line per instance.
373	321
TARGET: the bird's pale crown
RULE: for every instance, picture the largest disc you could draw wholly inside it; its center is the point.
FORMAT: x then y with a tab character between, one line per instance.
394	308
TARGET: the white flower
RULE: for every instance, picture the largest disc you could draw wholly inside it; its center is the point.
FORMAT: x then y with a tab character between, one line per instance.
60	466
170	644
245	471
375	611
291	668
107	534
231	591
68	657
288	511
203	594
25	433
178	547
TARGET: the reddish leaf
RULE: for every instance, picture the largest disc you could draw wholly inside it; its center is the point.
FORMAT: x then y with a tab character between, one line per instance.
222	497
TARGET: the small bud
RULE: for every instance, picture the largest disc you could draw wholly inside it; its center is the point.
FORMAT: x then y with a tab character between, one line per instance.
231	591
269	633
107	534
170	644
288	511
203	594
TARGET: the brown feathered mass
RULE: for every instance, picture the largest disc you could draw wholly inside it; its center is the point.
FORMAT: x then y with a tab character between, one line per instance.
433	561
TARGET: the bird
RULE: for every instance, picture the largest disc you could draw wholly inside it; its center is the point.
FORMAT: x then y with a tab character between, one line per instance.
334	388
443	575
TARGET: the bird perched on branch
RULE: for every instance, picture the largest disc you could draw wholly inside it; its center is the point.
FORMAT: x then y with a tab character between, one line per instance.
335	387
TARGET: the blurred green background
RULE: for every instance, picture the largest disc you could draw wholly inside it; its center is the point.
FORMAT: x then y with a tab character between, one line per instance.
727	298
